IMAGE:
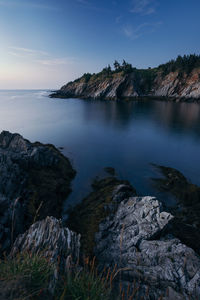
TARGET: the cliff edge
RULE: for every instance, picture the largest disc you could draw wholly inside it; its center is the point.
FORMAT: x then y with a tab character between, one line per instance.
178	80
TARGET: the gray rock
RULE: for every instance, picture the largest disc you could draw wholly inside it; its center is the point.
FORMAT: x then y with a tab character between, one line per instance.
132	238
35	179
53	241
49	238
133	85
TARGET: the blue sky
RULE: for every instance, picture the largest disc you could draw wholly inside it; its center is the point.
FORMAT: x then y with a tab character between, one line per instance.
45	43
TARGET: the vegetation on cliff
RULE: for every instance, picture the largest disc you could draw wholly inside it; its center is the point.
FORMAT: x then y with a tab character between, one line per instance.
183	64
124	81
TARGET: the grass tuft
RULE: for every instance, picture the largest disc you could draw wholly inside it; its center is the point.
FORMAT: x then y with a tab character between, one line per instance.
24	276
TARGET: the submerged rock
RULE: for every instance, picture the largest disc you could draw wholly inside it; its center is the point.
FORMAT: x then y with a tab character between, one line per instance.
34	181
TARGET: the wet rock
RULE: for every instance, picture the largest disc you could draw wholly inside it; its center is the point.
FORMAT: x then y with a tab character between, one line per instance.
34	181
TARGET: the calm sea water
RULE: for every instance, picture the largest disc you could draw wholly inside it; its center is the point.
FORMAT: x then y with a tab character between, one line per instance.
96	134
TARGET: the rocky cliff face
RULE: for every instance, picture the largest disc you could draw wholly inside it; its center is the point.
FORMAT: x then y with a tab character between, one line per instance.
35	179
175	85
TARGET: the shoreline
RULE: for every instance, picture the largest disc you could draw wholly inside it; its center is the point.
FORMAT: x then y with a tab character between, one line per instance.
127	99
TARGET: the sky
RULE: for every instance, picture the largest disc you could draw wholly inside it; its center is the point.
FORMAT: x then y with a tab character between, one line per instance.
46	43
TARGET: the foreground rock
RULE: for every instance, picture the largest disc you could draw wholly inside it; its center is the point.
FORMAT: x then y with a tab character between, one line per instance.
49	238
130	232
58	249
86	216
34	181
173	86
132	238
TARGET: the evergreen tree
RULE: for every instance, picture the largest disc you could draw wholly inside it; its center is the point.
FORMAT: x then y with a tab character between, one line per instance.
116	65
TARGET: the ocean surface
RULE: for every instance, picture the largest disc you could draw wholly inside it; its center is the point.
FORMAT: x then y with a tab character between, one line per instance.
96	134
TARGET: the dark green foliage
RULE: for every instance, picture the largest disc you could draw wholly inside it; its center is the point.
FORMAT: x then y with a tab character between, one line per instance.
117	65
126	67
87	77
184	64
107	70
146	77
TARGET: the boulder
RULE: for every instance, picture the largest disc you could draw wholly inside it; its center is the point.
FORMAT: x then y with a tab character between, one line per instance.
50	239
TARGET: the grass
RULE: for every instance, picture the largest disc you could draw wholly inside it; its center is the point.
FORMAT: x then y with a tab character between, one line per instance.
28	276
89	283
25	275
85	284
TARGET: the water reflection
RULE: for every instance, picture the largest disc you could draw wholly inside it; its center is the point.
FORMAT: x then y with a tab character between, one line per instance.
181	117
96	134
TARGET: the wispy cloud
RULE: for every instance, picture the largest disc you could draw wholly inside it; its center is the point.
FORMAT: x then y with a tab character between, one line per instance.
143	7
57	61
20	51
40	57
26	4
134	33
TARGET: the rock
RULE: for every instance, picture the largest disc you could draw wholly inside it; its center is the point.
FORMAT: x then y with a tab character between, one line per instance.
49	238
133	238
135	233
85	217
186	223
34	181
175	85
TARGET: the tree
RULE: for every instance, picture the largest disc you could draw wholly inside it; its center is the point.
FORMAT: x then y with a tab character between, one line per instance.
117	65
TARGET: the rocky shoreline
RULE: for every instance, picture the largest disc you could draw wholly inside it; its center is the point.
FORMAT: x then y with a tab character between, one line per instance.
146	244
175	86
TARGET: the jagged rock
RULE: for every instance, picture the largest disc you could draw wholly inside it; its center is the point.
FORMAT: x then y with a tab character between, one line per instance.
35	179
86	216
49	238
134	85
134	233
132	238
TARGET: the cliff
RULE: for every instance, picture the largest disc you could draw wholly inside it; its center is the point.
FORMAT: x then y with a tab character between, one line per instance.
168	81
